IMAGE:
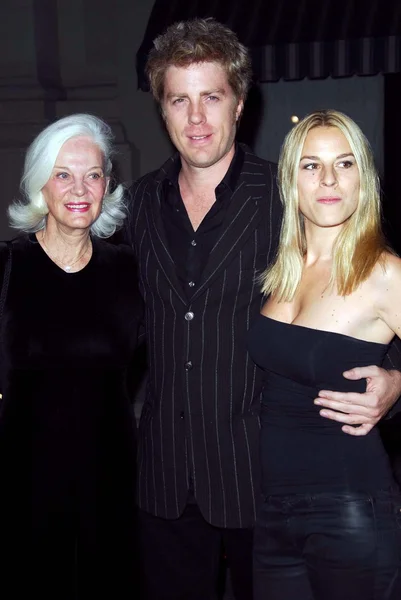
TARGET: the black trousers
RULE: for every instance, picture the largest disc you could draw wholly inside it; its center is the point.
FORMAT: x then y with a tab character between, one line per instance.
180	558
328	547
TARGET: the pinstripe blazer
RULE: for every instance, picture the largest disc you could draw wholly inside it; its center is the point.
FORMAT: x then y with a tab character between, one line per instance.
200	415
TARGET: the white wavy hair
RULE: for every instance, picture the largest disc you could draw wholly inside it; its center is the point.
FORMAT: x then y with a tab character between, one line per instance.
30	214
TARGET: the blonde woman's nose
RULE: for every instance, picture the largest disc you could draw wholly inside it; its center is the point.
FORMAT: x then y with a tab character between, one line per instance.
329	177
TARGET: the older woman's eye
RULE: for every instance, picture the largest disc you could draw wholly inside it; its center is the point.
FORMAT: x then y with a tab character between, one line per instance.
62	175
95	176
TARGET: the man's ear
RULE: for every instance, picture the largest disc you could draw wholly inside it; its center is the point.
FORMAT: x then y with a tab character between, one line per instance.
239	109
162	113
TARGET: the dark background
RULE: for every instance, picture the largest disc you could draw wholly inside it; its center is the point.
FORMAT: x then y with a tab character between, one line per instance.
58	57
63	56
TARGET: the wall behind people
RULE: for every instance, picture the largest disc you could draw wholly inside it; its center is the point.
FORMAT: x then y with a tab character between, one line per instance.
57	58
61	57
359	97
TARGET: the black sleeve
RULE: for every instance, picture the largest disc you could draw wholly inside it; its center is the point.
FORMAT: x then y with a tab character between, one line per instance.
393	361
134	198
5	269
277	209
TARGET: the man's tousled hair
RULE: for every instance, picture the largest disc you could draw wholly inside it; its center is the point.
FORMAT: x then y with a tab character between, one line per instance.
197	41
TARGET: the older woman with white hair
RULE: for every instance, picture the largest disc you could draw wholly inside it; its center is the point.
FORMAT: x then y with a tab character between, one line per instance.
70	312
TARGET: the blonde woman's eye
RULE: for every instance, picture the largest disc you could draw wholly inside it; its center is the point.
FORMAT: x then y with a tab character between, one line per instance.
346	164
310	166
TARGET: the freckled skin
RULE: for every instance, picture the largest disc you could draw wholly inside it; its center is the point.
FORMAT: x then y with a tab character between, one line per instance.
328	190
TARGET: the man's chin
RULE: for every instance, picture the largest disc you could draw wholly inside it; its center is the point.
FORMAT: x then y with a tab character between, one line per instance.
202	164
202	160
198	159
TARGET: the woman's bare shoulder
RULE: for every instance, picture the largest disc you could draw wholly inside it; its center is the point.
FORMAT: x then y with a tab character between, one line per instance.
386	276
389	267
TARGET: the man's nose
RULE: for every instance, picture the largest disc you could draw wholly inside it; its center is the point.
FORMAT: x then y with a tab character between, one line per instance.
196	114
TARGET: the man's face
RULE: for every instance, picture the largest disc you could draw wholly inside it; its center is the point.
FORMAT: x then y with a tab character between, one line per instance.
200	111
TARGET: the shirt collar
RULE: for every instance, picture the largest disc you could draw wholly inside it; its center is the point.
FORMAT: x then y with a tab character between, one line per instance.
231	178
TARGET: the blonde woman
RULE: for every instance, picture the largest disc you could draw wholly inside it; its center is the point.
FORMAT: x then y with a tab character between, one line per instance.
330	524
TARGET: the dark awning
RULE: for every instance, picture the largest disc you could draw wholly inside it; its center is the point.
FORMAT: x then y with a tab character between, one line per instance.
293	40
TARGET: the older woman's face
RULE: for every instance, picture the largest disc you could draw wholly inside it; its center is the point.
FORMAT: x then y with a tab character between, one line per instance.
77	185
328	178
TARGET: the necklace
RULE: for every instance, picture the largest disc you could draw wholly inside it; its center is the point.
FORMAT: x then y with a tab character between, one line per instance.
66	268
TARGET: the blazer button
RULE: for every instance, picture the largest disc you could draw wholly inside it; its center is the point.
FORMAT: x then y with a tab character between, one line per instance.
189	316
188	365
182	414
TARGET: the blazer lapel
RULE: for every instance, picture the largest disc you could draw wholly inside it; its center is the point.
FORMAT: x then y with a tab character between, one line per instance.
243	216
157	233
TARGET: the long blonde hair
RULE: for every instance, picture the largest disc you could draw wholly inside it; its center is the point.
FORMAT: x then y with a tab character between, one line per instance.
360	243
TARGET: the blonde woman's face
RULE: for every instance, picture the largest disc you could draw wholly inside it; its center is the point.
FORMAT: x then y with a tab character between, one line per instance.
328	178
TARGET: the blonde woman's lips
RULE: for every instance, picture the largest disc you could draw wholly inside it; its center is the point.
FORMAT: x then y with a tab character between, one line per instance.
329	200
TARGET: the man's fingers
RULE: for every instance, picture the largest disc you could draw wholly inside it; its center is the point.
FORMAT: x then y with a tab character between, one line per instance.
358	431
349	419
362	372
373	412
344	397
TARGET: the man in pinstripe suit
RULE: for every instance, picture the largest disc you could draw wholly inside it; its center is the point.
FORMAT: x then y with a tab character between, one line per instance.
202	226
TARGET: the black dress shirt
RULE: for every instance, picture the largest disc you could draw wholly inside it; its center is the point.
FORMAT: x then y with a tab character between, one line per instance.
189	248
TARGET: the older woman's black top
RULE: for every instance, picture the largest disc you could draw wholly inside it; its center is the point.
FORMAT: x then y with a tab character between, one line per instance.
66	427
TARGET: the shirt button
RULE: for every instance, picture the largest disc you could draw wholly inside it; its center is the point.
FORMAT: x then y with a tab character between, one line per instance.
191	284
188	365
189	316
182	414
193	243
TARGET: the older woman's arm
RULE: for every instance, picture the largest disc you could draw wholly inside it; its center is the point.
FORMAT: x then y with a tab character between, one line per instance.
5	271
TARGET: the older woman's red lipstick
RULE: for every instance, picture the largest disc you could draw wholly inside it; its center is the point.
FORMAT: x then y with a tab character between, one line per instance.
78	207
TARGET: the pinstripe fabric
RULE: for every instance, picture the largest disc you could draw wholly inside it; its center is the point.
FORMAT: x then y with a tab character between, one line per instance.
203	418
